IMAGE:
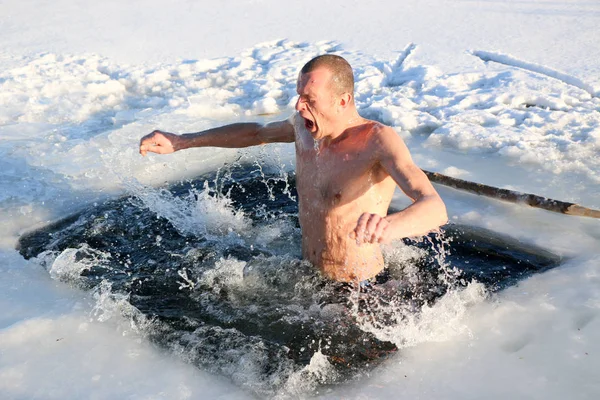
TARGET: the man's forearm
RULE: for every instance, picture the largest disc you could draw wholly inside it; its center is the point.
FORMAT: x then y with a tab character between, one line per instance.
421	217
233	136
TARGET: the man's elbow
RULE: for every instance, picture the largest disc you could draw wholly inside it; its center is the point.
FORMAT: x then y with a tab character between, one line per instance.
441	213
438	215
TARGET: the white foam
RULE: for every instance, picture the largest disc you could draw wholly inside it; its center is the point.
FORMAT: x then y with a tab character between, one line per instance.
318	370
443	321
197	213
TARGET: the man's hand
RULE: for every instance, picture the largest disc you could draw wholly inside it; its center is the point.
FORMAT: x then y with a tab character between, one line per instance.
370	228
158	142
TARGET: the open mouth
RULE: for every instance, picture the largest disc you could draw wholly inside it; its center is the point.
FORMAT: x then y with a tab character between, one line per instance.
310	125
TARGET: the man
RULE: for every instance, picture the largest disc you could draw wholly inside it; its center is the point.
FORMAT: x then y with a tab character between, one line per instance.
347	169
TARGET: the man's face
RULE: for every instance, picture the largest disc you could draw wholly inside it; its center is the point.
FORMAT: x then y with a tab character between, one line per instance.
316	102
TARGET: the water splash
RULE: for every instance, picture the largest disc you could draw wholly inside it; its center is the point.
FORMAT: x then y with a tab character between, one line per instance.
417	305
319	371
71	264
196	213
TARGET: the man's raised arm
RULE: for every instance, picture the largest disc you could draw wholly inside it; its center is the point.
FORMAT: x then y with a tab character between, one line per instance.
233	136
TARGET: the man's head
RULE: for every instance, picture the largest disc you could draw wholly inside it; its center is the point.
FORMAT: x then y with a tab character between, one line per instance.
326	95
342	78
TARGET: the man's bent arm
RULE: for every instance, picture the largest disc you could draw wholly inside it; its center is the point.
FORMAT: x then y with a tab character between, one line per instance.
426	213
233	136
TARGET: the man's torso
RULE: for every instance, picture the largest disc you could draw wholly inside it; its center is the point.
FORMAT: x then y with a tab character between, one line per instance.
336	185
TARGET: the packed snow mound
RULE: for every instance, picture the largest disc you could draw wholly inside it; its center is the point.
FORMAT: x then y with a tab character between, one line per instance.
526	113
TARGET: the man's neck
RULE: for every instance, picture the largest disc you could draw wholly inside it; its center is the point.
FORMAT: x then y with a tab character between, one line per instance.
347	121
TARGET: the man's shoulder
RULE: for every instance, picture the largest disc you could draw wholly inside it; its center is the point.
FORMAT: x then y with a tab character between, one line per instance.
379	127
380	133
384	141
296	122
277	131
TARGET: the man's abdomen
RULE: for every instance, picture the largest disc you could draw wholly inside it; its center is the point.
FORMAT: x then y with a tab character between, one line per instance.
328	246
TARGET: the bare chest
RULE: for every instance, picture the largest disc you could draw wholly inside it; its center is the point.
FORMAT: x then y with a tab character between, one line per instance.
335	175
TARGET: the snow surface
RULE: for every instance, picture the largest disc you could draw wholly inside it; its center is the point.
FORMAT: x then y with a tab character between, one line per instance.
503	93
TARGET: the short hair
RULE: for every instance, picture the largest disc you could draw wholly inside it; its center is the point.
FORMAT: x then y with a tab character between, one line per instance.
342	77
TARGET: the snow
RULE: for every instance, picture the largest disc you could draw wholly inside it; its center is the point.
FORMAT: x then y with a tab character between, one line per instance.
502	93
540	69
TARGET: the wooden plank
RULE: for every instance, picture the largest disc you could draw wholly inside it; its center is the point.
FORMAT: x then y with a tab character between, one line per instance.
514	196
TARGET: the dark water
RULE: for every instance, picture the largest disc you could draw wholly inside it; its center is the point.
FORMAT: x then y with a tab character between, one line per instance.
240	302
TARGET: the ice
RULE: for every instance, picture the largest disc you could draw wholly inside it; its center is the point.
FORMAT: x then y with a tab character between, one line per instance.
80	83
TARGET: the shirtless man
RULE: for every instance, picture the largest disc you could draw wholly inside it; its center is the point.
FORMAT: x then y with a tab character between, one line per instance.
347	169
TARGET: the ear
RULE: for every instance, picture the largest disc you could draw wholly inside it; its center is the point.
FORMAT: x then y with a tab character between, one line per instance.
345	99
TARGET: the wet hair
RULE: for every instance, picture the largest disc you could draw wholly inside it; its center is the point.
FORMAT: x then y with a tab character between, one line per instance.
342	78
